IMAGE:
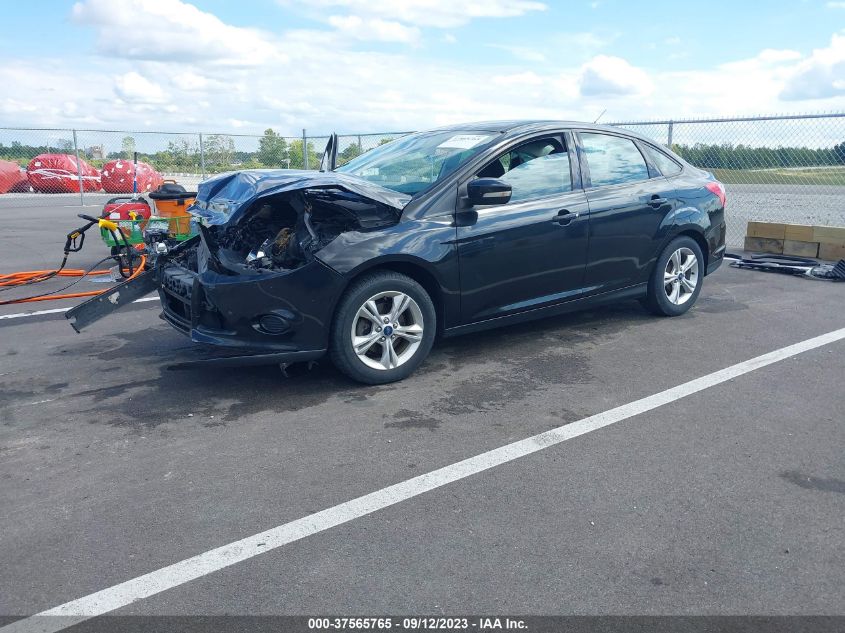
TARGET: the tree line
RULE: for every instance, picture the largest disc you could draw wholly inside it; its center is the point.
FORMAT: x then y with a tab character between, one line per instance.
183	154
728	156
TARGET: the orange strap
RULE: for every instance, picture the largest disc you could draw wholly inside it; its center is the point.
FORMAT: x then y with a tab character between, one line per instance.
17	279
32	276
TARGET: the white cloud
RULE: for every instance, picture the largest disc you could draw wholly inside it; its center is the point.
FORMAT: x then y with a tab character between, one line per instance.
35	93
374	29
821	76
585	43
435	13
766	61
196	80
171	30
835	5
605	75
523	53
519	79
772	55
334	83
750	86
135	88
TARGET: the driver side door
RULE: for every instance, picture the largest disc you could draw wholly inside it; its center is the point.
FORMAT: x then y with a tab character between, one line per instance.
530	252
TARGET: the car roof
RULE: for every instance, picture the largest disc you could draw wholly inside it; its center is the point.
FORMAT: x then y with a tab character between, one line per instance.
516	127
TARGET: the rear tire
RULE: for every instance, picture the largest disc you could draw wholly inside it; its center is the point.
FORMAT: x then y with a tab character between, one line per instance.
383	328
676	281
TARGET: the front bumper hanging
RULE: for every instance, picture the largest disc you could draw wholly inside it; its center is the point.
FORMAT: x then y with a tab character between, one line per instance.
260	319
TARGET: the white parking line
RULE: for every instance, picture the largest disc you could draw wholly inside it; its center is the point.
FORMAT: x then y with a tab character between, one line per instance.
184	571
21	315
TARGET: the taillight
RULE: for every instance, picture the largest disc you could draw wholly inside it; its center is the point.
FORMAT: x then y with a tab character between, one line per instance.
718	190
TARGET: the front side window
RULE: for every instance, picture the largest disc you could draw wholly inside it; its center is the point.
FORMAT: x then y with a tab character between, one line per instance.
666	165
533	170
613	160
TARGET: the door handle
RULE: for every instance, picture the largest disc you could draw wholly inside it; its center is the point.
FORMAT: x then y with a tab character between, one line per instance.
565	217
657	202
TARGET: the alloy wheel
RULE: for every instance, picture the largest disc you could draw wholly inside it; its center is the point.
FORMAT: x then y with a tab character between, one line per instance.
387	330
680	278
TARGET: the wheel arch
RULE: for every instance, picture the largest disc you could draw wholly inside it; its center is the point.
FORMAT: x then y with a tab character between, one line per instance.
416	270
698	236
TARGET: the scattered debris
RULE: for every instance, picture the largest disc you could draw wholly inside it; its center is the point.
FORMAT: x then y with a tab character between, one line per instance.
789	265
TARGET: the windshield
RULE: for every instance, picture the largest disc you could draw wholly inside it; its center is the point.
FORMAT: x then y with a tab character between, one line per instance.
414	162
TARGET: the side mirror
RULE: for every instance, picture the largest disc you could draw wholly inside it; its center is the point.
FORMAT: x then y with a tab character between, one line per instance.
487	191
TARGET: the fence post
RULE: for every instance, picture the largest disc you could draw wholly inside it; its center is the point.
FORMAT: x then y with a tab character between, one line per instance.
202	157
669	135
78	170
304	150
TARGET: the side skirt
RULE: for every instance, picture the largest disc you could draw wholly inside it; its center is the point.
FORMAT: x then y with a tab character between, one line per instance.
631	292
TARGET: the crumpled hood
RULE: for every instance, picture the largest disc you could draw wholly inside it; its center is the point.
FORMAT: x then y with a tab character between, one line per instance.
225	197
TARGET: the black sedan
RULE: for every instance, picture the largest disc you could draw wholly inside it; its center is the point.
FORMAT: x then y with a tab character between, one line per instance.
442	232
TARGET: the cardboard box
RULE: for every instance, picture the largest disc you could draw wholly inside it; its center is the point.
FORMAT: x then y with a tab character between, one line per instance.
829	234
800	233
831	252
763	245
771	230
801	249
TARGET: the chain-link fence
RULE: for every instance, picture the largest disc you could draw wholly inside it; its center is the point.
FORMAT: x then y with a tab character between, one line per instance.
74	165
775	168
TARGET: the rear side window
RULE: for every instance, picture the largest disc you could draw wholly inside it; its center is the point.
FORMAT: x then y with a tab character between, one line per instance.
613	160
666	165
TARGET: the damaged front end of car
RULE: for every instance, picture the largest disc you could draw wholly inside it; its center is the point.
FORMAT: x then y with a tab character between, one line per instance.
253	278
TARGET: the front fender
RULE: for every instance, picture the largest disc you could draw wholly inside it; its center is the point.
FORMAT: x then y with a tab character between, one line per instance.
430	240
426	244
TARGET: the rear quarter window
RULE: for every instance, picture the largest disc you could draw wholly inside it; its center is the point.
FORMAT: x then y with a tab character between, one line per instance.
666	165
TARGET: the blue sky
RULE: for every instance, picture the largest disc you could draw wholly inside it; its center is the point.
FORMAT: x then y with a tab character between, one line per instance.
371	65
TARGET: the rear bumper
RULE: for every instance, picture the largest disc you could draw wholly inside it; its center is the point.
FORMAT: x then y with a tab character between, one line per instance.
716	258
286	314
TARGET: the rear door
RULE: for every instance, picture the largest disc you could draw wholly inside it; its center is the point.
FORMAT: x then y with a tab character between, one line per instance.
631	208
531	251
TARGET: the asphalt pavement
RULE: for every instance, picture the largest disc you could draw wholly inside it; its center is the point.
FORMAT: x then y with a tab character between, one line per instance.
727	501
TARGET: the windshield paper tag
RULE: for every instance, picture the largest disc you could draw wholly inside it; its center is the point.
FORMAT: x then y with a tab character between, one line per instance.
463	141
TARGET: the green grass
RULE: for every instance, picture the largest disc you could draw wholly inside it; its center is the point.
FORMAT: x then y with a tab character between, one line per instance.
811	176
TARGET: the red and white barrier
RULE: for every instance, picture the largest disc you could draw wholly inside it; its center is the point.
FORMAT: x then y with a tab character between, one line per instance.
58	173
117	175
12	178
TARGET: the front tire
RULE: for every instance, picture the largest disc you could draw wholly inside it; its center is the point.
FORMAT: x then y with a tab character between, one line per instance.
676	281
383	328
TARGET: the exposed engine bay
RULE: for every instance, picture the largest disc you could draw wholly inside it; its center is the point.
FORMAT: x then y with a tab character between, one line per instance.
283	231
